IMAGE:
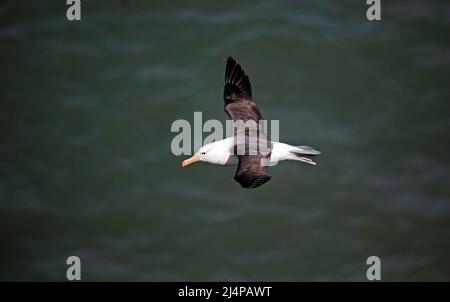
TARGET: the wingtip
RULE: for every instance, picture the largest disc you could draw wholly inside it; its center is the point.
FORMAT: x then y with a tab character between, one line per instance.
236	77
248	181
231	62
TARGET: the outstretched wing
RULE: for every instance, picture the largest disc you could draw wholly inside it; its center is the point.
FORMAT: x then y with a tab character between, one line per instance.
239	105
237	94
254	161
247	173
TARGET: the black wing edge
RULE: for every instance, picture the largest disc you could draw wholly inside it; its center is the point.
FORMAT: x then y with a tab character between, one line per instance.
250	181
237	83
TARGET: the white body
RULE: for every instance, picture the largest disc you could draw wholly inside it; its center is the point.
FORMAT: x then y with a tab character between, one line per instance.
221	153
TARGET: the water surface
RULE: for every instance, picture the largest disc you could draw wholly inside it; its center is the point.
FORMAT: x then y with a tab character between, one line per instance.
85	161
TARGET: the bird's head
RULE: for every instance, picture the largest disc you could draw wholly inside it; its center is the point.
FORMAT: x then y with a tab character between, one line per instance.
205	153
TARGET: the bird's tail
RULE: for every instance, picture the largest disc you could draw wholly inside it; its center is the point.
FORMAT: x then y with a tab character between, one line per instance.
306	150
304	154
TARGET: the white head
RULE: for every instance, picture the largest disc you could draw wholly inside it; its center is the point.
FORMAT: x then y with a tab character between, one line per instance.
215	153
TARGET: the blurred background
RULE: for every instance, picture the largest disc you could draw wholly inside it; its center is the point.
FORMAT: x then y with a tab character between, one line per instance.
86	167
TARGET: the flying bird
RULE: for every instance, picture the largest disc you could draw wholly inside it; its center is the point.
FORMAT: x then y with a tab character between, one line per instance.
252	167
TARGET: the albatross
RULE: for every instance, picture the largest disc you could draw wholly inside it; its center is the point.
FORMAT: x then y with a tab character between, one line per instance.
252	168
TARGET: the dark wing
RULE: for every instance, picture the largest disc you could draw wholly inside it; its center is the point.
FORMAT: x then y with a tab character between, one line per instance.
238	94
252	169
251	172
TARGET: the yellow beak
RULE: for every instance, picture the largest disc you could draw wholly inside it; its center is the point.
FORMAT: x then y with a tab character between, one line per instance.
195	158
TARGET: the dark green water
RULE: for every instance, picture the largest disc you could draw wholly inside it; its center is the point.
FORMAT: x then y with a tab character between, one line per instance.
85	161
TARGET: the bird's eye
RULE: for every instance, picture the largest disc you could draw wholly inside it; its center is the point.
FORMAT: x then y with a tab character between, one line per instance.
203	152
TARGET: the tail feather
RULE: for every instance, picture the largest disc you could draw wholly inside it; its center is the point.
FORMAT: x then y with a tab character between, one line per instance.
306	150
305	160
303	153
